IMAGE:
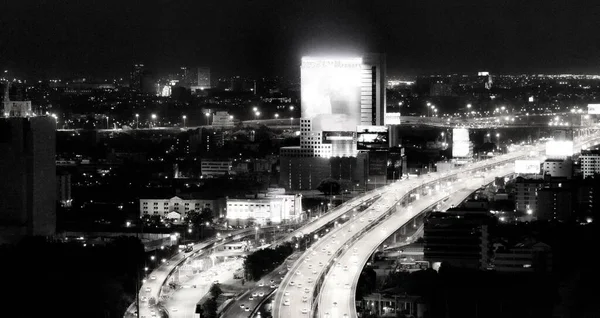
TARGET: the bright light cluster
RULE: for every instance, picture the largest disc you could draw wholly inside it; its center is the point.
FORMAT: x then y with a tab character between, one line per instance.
330	92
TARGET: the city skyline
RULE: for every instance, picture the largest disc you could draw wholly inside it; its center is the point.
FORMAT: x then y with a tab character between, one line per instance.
268	38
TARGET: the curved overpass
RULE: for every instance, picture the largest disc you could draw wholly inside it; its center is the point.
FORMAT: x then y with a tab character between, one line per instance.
317	270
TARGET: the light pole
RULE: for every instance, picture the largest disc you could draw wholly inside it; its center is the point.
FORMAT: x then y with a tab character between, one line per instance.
498	137
184	117
137	121
256	114
291	119
276	116
256	235
207	119
107	118
153	117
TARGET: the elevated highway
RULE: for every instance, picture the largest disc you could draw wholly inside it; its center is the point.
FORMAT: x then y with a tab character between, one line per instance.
322	282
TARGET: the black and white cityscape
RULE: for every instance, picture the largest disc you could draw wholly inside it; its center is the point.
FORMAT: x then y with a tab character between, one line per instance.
305	159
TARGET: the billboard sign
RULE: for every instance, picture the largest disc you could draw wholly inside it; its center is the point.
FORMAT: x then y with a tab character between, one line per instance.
594	109
527	166
461	145
330	92
559	148
372	137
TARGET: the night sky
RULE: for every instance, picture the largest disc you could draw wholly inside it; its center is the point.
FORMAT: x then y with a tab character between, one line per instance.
267	37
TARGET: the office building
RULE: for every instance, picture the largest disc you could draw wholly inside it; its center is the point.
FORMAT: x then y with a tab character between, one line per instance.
590	162
526	257
203	77
213	168
555	203
337	96
460	238
222	119
181	204
264	210
526	194
63	189
28	185
558	168
135	83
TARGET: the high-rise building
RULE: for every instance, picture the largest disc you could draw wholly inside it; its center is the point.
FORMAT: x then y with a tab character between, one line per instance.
137	74
558	168
337	96
28	185
590	162
459	238
204	77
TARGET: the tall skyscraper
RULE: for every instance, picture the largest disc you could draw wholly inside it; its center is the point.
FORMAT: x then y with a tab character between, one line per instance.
28	184
204	77
136	77
337	96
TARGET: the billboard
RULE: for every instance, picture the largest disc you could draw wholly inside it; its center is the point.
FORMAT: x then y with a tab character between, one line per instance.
372	137
594	109
527	166
330	92
559	148
461	145
343	143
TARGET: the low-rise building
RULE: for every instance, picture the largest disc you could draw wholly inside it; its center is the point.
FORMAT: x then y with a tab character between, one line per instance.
264	210
523	258
558	168
215	167
181	204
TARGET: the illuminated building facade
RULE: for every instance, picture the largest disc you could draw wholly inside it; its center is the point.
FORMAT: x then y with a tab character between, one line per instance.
337	96
264	210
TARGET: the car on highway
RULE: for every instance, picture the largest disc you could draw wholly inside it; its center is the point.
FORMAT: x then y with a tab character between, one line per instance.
148	289
299	285
320	264
273	286
254	294
334	304
292	283
251	298
286	293
261	294
242	306
153	277
305	310
304	299
174	309
247	308
261	284
286	302
272	281
306	290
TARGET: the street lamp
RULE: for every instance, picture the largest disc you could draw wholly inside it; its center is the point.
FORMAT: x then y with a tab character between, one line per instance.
153	116
256	114
107	118
469	106
255	109
207	118
292	107
276	115
137	121
184	117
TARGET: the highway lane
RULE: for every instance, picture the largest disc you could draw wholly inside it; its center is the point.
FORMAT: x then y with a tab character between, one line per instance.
245	304
336	298
295	295
151	287
182	303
